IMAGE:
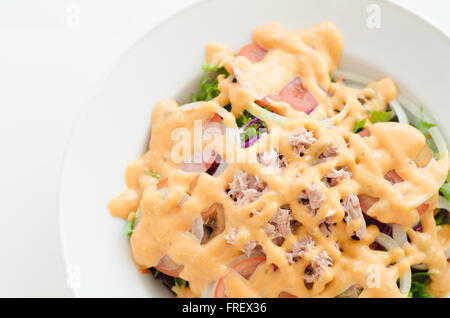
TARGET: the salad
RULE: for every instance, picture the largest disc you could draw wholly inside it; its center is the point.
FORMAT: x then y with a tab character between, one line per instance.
286	177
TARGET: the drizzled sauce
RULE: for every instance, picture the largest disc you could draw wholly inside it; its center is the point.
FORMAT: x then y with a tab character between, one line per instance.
164	228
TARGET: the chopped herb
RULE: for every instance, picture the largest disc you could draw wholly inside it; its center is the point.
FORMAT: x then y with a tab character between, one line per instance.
423	127
332	78
419	280
252	130
359	126
244	119
214	68
128	230
381	117
166	280
180	282
440	218
445	190
209	90
209	86
151	174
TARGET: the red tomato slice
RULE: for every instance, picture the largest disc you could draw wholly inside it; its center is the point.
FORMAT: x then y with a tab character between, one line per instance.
284	294
423	157
253	52
213	126
204	161
265	102
423	208
296	95
366	201
246	268
163	183
393	177
364	133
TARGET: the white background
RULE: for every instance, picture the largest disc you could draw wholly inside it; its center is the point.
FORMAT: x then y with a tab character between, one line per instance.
50	64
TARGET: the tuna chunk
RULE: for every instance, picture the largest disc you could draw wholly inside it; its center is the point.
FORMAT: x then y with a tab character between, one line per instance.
273	234
253	249
330	152
231	236
197	228
326	227
335	176
301	139
272	161
318	264
305	244
352	210
281	225
312	198
246	188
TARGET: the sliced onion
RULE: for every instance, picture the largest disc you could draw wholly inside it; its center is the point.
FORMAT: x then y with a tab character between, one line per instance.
443	203
359	79
197	228
208	292
411	107
420	201
245	267
405	283
402	118
234	133
434	131
167	266
389	244
440	143
329	122
399	234
267	116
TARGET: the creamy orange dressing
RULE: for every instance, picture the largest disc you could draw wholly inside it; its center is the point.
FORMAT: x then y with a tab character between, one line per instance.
164	228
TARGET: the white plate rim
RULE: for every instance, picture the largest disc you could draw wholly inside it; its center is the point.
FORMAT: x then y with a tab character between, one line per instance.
84	108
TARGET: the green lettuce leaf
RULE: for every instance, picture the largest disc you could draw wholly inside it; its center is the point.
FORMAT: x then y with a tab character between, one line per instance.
359	126
209	85
381	117
128	230
419	281
151	174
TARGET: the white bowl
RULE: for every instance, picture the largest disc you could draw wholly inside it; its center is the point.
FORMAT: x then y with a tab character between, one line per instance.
114	127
